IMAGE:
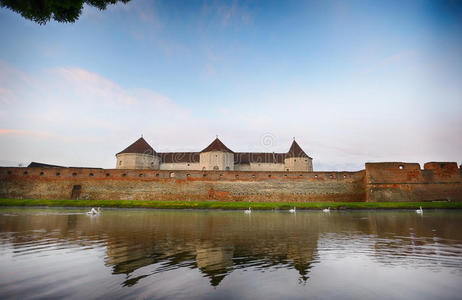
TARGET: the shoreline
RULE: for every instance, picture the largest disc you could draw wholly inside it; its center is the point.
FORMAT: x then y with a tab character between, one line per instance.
227	205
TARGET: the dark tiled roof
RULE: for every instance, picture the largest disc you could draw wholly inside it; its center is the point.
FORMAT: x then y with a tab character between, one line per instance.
140	146
296	151
179	157
217	145
42	165
258	157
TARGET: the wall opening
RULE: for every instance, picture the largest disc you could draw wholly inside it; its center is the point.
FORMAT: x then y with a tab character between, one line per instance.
25	172
57	174
215	168
107	174
172	174
124	175
157	174
227	168
41	173
76	190
74	174
91	174
400	167
141	175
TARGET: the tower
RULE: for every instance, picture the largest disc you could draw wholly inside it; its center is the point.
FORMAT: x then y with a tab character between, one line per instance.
139	155
217	156
297	160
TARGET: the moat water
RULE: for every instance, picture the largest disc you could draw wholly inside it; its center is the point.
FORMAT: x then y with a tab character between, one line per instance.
178	254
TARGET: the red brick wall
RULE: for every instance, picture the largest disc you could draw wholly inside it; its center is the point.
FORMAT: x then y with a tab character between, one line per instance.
181	185
398	181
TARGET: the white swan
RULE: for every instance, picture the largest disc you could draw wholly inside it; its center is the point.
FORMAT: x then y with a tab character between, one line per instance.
93	211
419	211
292	210
326	209
248	211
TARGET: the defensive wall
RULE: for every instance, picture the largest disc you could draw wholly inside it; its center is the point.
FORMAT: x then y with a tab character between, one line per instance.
378	182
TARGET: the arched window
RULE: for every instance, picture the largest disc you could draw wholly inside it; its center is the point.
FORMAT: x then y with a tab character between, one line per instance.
227	168
216	168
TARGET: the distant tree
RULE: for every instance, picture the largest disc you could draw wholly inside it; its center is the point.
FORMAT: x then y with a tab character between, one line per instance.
41	11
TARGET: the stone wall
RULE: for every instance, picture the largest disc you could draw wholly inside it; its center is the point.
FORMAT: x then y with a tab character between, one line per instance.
379	182
66	183
399	181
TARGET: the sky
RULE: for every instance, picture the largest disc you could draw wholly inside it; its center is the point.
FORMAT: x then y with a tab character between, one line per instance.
352	81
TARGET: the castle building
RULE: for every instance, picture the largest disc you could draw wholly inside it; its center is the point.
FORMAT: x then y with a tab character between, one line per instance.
216	156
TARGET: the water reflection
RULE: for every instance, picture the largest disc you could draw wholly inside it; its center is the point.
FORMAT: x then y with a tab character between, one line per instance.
138	244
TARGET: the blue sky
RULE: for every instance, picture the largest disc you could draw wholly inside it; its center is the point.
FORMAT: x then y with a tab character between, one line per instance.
353	81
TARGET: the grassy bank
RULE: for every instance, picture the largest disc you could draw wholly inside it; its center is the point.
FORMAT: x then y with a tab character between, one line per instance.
226	205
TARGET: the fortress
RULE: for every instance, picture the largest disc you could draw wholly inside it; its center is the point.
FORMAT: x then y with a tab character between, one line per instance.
218	173
216	156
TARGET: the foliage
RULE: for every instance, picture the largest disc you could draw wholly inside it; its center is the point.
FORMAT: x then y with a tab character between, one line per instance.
41	11
227	205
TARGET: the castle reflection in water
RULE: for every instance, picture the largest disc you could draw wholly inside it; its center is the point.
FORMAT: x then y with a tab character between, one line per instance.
140	243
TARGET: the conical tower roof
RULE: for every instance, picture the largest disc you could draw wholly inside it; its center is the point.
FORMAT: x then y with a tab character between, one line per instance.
296	151
140	146
217	145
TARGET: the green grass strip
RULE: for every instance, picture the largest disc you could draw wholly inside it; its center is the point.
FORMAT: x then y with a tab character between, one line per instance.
226	205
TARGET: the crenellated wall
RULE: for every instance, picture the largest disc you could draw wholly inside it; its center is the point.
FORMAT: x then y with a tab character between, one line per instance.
379	182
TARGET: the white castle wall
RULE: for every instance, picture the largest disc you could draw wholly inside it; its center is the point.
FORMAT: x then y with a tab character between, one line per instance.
217	160
292	164
137	161
180	166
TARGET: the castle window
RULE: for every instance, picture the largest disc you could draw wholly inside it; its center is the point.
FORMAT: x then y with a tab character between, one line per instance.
344	176
237	176
306	160
9	172
331	176
287	170
269	175
227	168
140	175
295	160
172	175
107	174
91	174
401	167
57	174
203	168
315	176
152	164
204	175
120	163
25	173
41	173
188	165
157	174
124	175
187	175
215	167
74	174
